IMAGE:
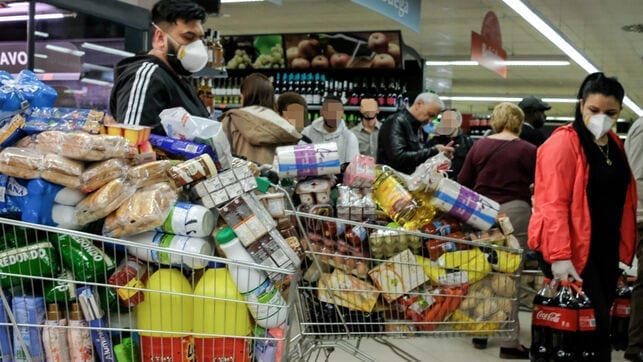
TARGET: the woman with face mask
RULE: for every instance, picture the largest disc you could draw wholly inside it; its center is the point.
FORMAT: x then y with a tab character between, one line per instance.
584	219
145	85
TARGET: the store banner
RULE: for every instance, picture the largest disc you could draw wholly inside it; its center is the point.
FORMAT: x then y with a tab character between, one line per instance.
405	12
486	48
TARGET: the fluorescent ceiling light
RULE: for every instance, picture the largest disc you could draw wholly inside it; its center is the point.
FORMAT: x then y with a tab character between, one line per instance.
38	70
545	29
503	99
37	17
97	82
108	50
41	34
537	63
56	48
41	56
100	68
562	118
75	91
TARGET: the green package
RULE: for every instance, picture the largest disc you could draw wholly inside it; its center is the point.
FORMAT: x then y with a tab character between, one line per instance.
87	262
62	290
126	351
17	236
33	260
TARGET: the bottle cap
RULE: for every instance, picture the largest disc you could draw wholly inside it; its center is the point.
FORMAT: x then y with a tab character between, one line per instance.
75	312
225	235
53	314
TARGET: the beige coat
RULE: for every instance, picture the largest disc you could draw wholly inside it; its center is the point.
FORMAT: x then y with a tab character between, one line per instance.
254	132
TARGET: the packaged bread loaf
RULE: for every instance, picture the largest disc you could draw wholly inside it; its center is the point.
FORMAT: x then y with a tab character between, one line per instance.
145	210
10	131
62	170
103	201
149	173
21	162
83	146
100	173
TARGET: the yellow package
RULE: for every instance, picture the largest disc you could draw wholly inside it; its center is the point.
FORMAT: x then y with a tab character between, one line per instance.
507	262
477	267
347	291
454	259
432	271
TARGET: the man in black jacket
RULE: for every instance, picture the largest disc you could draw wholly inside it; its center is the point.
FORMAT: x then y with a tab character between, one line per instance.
534	109
147	84
400	143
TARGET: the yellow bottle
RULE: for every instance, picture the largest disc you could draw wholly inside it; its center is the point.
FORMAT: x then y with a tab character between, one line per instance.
219	309
167	307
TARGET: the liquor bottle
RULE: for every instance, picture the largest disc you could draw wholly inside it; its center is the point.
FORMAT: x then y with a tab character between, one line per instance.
209	46
353	100
296	83
236	91
218	60
317	91
391	98
381	94
289	83
363	91
277	84
343	96
309	92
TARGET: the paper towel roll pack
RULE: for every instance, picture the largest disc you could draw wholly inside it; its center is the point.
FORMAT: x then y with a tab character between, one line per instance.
307	160
465	204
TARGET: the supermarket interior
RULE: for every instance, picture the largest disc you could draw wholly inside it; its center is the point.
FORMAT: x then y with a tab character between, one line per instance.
201	180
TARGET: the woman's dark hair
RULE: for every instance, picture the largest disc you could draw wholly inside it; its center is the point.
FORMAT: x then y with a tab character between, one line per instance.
257	90
289	98
169	11
595	83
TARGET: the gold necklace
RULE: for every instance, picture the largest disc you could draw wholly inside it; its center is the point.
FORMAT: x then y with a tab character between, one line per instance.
606	153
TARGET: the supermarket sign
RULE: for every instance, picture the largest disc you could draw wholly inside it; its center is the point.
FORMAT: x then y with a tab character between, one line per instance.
486	47
13	57
405	12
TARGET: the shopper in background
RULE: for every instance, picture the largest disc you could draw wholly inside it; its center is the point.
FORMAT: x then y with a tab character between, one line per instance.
293	108
330	127
144	85
368	130
634	152
255	130
534	109
448	131
400	144
584	218
502	168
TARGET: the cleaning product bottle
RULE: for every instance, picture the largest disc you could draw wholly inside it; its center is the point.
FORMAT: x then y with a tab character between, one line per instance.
189	220
167	306
219	309
80	338
54	338
265	303
201	246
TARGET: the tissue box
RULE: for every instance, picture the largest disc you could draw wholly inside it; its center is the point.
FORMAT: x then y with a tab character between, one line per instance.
398	275
348	291
360	172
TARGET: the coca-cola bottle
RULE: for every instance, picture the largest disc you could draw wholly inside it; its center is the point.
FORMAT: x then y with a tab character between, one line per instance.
543	312
620	314
564	324
586	337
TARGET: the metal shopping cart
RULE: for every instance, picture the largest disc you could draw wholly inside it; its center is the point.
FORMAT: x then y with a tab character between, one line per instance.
110	304
364	280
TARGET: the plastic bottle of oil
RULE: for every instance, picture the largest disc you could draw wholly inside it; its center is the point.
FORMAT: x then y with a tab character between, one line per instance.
392	196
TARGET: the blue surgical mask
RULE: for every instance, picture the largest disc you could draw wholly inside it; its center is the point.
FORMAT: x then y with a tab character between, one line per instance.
429	128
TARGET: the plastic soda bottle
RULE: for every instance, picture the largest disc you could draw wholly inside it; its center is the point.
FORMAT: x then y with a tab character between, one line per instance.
220	309
565	324
620	314
586	338
543	315
166	307
265	303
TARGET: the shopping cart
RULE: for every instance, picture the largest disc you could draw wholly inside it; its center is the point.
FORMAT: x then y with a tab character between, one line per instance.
364	280
51	274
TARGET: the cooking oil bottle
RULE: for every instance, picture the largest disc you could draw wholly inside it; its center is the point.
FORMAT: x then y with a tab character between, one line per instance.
392	196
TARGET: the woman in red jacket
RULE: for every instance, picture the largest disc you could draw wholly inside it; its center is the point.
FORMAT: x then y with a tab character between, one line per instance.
584	218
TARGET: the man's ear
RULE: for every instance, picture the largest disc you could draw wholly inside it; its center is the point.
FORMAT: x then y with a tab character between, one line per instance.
158	40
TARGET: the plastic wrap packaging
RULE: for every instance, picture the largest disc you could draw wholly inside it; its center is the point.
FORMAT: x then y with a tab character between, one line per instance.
11	129
307	160
103	201
428	175
62	171
465	204
83	146
100	173
347	291
41	119
183	149
24	91
145	210
21	163
149	173
360	172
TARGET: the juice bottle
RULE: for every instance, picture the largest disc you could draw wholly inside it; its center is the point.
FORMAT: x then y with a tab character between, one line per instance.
166	308
219	309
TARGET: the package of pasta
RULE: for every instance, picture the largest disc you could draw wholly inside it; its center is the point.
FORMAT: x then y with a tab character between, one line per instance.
62	170
103	201
145	210
21	162
150	173
97	174
83	146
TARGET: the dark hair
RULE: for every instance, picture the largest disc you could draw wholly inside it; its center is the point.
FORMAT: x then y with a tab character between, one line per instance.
289	98
257	90
169	11
595	83
331	99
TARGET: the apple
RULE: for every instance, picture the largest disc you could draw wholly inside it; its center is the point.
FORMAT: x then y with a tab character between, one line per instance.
319	61
300	63
394	50
292	53
383	60
339	60
378	42
308	48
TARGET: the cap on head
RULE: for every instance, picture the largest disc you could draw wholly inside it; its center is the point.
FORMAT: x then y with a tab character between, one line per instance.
532	103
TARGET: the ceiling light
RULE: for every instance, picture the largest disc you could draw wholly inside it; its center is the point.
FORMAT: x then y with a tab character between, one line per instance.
97	82
38	70
108	50
100	68
41	34
41	56
536	63
503	99
59	49
37	17
545	29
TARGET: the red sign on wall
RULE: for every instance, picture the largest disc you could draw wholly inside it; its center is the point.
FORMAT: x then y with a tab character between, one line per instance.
486	48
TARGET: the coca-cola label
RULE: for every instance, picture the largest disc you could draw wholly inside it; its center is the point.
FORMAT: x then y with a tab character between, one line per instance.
621	308
586	320
555	317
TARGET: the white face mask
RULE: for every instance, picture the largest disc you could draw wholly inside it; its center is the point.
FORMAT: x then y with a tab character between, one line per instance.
193	57
599	124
